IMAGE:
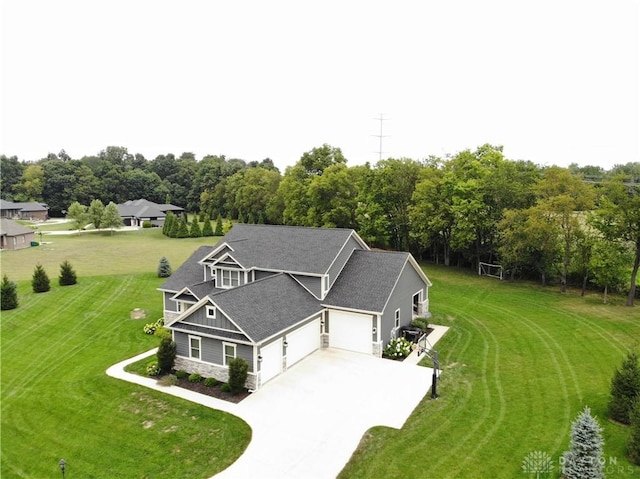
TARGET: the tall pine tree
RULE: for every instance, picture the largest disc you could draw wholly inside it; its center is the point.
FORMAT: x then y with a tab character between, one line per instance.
625	388
195	231
206	228
164	268
219	229
584	458
8	294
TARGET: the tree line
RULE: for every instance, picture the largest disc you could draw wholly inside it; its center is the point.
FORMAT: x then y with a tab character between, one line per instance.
576	225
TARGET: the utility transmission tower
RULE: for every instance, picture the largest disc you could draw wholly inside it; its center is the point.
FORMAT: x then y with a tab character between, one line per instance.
381	119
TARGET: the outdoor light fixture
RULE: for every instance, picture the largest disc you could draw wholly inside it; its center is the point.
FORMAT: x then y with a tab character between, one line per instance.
374	330
259	358
63	465
285	344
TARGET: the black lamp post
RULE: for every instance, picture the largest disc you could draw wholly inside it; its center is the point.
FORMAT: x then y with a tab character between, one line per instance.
63	465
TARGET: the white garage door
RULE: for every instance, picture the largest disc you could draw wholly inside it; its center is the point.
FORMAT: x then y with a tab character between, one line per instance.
271	364
350	331
303	342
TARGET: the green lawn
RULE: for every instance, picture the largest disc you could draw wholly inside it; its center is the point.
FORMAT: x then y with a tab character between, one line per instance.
519	363
57	401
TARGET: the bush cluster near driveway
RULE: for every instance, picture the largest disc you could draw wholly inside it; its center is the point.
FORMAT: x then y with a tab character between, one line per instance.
57	401
518	365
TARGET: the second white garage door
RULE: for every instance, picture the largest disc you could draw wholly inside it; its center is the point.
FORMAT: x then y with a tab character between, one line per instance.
350	331
303	342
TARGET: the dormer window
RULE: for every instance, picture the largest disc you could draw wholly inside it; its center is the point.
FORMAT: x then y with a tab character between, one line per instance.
211	312
230	278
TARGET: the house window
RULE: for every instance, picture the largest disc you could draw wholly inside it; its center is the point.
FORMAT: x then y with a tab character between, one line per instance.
397	319
230	278
416	302
211	312
229	352
194	347
180	306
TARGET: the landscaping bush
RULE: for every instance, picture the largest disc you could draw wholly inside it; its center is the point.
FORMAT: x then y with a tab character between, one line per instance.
211	382
168	380
163	332
67	276
420	322
625	388
238	372
195	378
153	369
180	374
585	456
8	294
225	388
146	224
397	349
166	354
40	280
207	230
150	328
195	231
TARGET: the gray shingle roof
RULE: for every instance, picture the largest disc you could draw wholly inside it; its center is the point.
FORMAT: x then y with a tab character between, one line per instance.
286	248
374	273
267	306
189	273
11	228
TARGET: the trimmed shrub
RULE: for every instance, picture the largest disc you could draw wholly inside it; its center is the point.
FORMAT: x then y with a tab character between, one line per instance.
168	380
180	374
183	229
40	281
67	276
211	382
163	332
225	388
397	349
8	294
166	354
195	378
625	388
238	372
147	224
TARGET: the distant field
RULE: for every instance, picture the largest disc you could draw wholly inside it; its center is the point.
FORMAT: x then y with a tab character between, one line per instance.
100	253
519	363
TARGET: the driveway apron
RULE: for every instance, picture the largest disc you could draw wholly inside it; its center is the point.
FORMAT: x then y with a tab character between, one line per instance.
307	422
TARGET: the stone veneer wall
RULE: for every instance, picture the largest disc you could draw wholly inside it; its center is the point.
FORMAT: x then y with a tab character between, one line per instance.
377	349
207	370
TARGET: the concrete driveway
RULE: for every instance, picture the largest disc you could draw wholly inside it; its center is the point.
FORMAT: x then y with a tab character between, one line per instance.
308	422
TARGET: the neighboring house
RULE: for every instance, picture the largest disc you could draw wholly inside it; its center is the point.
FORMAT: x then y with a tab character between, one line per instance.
274	294
29	210
15	236
135	212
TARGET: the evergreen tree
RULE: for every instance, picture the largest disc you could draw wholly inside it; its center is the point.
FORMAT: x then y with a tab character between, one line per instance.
206	228
228	225
625	388
240	217
584	458
166	355
634	438
40	281
67	274
238	372
8	294
174	227
183	229
195	231
219	230
168	223
164	268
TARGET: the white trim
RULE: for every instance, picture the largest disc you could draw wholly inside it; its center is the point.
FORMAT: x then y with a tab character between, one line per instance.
199	358
396	319
224	352
222	284
213	336
210	311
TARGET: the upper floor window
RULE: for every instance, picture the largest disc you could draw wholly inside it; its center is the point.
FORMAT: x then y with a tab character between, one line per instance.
397	319
211	312
230	278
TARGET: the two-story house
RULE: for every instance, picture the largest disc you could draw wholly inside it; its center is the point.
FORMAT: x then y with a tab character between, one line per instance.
274	294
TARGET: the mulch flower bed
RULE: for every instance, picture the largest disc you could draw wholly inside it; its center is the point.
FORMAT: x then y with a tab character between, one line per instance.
214	391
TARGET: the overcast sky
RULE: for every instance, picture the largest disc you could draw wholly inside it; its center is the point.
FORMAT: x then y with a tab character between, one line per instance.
554	82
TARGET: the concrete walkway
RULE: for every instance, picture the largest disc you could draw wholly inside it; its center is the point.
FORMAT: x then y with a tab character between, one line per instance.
307	422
